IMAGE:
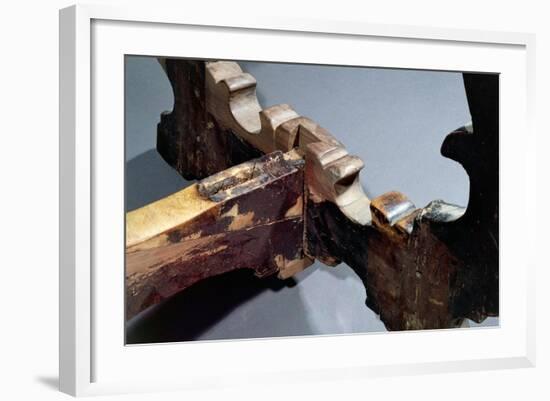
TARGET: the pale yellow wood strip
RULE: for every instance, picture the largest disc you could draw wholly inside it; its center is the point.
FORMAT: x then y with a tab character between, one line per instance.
164	214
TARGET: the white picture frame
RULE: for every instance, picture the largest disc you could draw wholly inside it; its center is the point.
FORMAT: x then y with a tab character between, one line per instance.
93	360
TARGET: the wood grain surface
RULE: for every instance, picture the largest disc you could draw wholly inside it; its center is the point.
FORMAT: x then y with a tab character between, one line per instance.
423	268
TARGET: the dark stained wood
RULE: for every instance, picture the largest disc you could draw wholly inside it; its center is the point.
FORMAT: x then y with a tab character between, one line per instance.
253	222
475	236
429	268
188	138
259	248
422	268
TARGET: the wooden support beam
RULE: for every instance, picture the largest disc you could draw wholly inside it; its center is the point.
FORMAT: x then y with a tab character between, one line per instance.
249	216
218	122
422	268
189	138
432	267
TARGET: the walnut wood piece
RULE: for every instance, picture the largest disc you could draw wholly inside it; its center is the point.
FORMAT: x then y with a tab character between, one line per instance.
422	268
249	216
427	268
189	138
231	99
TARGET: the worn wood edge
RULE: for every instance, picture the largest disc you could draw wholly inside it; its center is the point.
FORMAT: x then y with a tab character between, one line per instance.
158	217
151	221
332	172
163	272
231	99
189	138
174	246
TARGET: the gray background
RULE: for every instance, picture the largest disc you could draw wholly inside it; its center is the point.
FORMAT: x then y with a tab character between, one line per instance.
395	120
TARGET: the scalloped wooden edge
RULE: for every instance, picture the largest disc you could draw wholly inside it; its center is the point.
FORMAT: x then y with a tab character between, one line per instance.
332	174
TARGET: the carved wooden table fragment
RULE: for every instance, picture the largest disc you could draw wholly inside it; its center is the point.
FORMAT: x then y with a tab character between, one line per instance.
278	191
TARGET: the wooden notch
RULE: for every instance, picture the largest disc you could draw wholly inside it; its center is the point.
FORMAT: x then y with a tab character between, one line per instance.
422	268
249	216
231	99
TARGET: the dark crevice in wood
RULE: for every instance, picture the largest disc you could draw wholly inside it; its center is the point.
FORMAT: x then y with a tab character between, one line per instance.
422	268
189	139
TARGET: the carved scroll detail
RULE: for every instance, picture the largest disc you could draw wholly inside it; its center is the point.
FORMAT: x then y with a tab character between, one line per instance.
333	173
426	267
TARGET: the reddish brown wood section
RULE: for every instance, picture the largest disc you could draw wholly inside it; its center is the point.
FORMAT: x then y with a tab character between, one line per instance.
189	138
433	267
253	219
422	268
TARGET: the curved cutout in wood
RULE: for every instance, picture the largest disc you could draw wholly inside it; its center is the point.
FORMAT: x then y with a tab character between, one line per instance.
422	268
334	174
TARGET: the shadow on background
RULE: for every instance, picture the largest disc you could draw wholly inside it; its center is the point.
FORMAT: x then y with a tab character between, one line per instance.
191	313
195	312
50	382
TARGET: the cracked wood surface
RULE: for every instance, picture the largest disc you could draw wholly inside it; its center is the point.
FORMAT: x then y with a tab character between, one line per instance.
189	138
422	268
427	268
218	122
249	216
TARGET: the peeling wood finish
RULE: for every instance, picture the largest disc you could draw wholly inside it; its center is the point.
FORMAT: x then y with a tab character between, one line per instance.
253	220
412	281
189	138
163	215
427	267
433	267
254	248
217	122
333	175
